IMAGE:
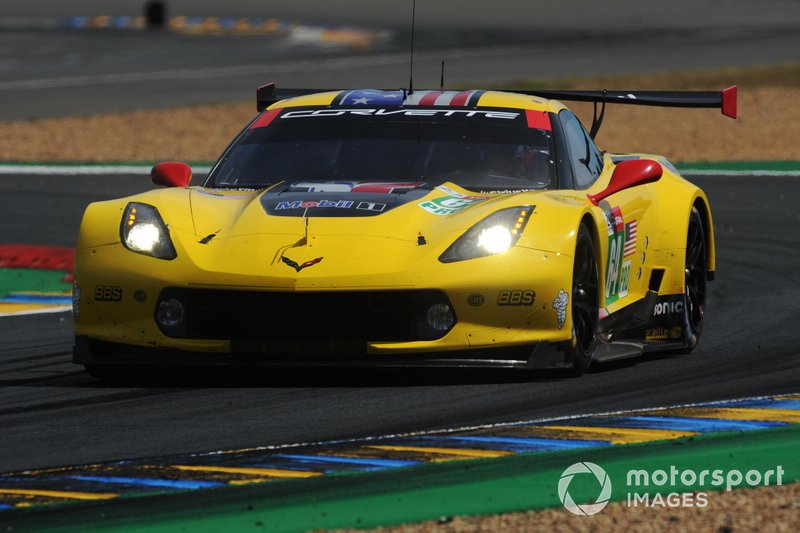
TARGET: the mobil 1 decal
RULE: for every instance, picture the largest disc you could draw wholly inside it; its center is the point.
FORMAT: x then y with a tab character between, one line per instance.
621	249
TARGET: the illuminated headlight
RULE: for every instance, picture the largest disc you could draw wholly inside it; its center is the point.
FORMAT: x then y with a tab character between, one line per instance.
143	231
494	234
495	240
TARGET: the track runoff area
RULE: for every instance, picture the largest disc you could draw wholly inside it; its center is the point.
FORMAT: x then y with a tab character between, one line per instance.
681	456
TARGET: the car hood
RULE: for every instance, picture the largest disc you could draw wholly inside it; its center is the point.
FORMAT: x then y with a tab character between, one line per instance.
366	209
249	237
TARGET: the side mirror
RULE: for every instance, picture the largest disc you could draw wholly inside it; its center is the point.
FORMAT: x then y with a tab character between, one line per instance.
629	174
171	174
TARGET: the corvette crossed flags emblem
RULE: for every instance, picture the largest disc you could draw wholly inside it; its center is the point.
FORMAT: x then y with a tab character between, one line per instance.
297	267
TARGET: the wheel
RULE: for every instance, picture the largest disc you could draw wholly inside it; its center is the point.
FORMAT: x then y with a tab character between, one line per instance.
696	276
585	303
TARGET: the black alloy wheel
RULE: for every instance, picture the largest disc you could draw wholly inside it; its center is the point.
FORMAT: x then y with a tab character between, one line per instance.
585	302
696	276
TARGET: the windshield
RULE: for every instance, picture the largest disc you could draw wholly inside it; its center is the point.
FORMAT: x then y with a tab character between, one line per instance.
478	149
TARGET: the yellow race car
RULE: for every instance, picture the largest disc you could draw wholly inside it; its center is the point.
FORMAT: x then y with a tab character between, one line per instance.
375	227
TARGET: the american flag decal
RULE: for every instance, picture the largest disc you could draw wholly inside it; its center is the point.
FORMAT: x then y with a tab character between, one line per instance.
630	239
372	97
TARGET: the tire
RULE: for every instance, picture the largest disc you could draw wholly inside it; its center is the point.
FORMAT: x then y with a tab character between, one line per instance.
696	277
585	303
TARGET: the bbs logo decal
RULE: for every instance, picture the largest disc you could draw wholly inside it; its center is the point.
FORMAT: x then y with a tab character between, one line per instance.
107	293
516	297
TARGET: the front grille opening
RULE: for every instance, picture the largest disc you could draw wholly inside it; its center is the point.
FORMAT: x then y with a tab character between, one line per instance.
364	316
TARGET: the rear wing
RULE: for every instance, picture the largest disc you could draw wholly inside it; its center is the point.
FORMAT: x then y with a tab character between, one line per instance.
725	100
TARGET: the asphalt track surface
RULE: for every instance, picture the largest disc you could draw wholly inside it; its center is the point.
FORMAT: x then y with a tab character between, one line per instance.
46	72
52	413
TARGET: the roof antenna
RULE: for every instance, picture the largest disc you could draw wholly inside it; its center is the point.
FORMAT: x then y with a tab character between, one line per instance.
411	76
441	83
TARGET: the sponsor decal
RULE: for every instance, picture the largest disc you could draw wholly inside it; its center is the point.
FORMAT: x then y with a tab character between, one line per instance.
371	206
140	295
675	332
516	297
507	191
621	244
451	204
560	305
475	300
108	293
299	267
301	204
668	308
614	221
380	112
656	334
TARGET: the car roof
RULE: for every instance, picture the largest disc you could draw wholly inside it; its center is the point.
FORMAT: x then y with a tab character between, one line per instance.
466	98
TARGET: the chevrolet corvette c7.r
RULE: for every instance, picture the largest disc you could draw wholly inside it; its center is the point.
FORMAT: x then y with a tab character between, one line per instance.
372	227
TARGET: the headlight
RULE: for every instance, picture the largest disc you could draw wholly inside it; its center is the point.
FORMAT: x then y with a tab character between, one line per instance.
493	235
143	231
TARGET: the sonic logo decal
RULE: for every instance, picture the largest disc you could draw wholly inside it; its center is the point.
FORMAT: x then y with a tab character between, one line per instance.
668	308
299	267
